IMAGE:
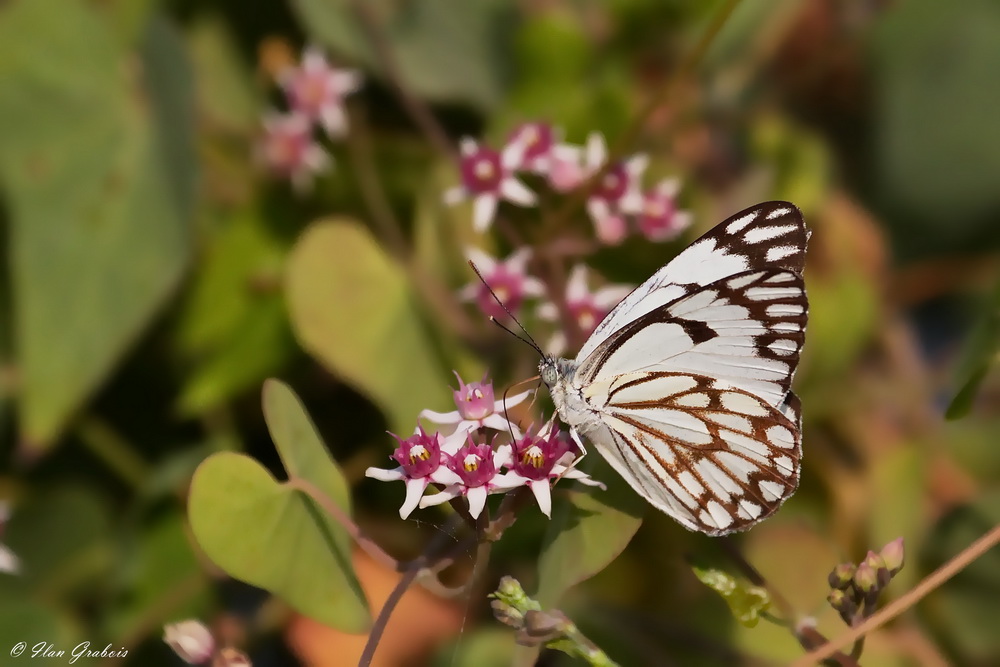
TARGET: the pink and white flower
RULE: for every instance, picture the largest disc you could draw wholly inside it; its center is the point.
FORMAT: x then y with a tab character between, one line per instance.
191	640
537	141
538	460
289	150
478	468
476	408
586	308
488	177
566	170
660	220
620	189
421	459
317	90
508	278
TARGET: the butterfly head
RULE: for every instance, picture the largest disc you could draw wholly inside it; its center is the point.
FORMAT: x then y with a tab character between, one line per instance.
554	369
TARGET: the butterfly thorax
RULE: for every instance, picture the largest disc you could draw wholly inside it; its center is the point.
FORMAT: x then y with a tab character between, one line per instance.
558	374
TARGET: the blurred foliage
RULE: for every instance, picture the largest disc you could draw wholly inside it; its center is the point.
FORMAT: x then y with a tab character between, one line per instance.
154	277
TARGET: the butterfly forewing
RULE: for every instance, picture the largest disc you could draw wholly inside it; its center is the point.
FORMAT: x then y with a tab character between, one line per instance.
717	460
771	235
685	386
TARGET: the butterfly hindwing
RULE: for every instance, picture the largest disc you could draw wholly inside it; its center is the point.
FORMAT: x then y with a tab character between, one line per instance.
717	460
771	235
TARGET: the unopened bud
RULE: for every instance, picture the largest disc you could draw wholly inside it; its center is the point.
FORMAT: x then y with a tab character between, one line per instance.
231	657
878	565
866	579
841	576
843	603
191	641
893	556
507	614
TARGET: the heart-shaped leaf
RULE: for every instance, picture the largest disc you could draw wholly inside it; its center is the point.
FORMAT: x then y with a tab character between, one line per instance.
274	536
352	308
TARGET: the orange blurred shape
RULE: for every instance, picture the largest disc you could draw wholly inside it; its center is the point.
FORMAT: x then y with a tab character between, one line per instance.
420	623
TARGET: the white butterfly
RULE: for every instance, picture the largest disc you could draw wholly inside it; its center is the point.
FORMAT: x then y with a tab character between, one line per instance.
684	388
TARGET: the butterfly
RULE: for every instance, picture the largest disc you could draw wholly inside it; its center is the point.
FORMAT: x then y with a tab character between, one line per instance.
685	386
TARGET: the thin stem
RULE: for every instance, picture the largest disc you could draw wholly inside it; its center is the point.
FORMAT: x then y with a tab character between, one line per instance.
414	106
334	510
113	450
914	595
807	635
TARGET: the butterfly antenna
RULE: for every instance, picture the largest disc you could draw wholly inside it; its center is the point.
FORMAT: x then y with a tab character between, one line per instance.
529	340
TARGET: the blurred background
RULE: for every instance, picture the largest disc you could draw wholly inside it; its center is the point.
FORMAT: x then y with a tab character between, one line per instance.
156	270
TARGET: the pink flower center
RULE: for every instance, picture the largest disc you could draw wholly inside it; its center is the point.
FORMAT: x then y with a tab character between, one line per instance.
481	171
614	184
587	314
285	148
418	454
657	217
471	463
508	287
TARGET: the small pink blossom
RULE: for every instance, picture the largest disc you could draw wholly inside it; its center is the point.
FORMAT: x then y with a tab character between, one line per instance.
538	460
289	150
191	640
537	141
508	279
611	230
660	220
566	170
477	466
316	90
476	408
619	189
488	177
586	308
421	460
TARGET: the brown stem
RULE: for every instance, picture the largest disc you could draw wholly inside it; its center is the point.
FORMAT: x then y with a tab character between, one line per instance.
414	106
334	510
910	598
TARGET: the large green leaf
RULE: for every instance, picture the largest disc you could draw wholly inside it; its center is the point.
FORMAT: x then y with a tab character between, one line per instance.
587	532
445	50
263	532
353	309
98	168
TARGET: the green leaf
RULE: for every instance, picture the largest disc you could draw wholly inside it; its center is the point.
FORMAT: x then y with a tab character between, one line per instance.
981	353
424	38
264	533
98	169
587	532
745	600
352	308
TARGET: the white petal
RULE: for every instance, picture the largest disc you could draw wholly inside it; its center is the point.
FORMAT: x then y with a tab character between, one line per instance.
485	263
598	210
334	120
444	475
502	455
547	311
414	489
454	442
512	155
636	165
441	496
484	208
468	146
533	286
515	191
596	151
576	286
556	344
313	59
668	187
543	495
440	417
477	500
317	159
454	195
515	399
498	422
346	81
384	475
581	477
9	562
517	262
682	220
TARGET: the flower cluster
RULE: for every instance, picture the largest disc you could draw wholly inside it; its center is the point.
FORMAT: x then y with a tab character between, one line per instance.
616	200
466	463
854	589
315	93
